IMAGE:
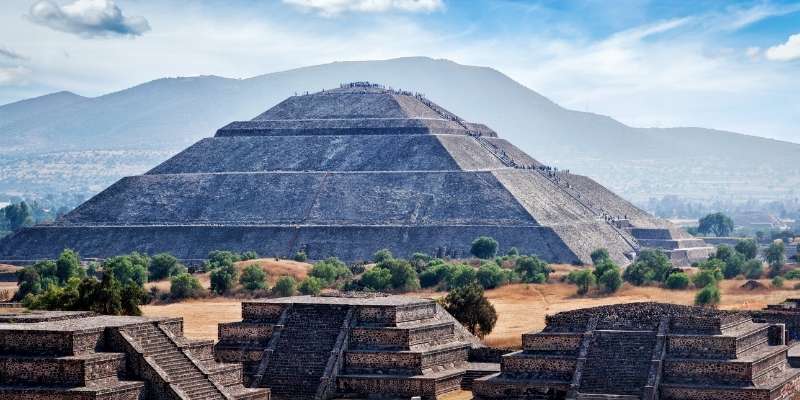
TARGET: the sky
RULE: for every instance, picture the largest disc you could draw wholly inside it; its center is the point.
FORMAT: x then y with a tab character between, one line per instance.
731	65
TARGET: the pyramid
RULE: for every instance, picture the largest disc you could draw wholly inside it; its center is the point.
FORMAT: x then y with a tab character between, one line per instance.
346	172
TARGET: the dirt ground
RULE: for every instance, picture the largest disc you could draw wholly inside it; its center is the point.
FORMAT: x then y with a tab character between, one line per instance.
521	308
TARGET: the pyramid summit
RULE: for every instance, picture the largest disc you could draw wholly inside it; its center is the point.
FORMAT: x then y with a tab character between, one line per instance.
346	172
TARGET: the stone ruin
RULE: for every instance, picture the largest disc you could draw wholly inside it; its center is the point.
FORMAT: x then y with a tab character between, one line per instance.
787	313
327	347
81	356
648	351
346	172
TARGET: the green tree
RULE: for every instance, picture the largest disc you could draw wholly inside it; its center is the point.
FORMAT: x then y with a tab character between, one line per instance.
777	282
584	279
708	296
734	266
330	270
420	260
611	280
382	255
128	268
706	277
532	270
300	256
513	252
18	215
471	308
377	278
404	276
775	255
599	256
717	224
223	279
164	265
248	255
490	276
460	276
108	296
185	286
311	286
484	247
253	278
677	281
221	258
36	278
68	265
650	266
285	286
747	248
753	269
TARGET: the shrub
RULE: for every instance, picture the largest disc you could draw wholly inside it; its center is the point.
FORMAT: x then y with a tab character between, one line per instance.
512	252
599	256
733	266
708	296
436	274
775	256
248	255
358	268
706	277
223	279
747	248
584	279
382	255
36	279
420	260
311	286
651	265
461	275
611	280
184	285
130	268
330	270
792	274
677	281
753	269
300	256
490	276
377	279
469	306
163	266
777	282
68	265
404	276
285	286
253	278
532	270
220	258
484	247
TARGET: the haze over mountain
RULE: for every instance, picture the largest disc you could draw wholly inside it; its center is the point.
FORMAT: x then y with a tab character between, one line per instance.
137	127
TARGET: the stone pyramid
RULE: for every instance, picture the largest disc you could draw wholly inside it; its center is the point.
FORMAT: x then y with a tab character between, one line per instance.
346	172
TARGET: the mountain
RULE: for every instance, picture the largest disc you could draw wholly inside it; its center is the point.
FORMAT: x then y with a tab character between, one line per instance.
166	115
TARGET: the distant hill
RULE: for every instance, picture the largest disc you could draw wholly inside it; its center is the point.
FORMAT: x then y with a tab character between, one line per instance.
165	115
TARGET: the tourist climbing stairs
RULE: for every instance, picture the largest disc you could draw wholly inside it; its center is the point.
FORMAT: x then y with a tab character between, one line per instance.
181	372
297	365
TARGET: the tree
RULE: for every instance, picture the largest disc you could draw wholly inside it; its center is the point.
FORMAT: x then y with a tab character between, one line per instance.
220	258
584	279
651	266
706	277
300	256
253	278
420	260
777	282
708	296
747	248
599	256
611	280
733	266
185	286
382	255
330	270
753	269
484	247
248	255
461	275
677	281
724	253
311	286
36	278
532	270
18	215
490	276
68	265
469	306
223	279
285	286
512	252
717	224
128	268
435	274
108	296
775	255
377	278
404	276
164	265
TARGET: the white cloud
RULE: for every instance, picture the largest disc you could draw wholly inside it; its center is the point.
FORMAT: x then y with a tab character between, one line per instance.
14	75
87	18
335	7
788	51
11	55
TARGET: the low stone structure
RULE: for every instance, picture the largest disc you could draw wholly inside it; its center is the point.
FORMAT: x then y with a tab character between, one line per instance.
308	347
82	356
647	351
787	313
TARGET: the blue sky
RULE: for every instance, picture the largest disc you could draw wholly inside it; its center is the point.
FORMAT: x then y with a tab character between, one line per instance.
730	65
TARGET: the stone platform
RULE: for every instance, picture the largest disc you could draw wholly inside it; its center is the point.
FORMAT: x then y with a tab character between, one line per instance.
307	347
82	356
647	351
